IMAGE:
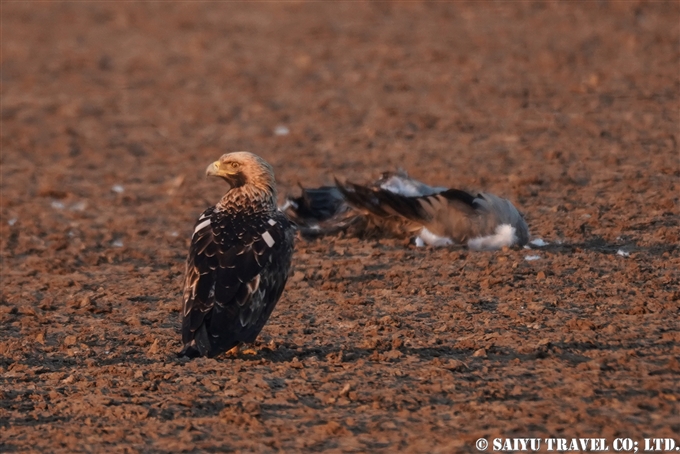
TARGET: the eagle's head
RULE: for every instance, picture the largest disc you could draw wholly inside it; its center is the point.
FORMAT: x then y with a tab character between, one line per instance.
245	172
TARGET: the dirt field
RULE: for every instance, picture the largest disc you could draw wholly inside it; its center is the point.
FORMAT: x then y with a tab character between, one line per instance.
111	113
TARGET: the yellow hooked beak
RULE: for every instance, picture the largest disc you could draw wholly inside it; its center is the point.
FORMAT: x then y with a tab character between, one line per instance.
213	169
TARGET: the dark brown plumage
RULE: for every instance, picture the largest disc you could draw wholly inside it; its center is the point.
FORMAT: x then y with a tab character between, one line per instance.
397	205
238	261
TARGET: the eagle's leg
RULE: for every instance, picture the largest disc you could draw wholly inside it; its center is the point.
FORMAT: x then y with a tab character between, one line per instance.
250	351
240	350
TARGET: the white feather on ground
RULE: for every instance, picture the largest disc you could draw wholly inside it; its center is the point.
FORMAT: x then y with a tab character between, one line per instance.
504	236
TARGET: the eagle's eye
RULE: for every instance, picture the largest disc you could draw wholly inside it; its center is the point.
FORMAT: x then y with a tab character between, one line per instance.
234	165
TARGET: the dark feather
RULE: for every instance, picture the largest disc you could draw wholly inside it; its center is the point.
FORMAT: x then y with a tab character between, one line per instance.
236	270
461	196
381	202
319	203
396	205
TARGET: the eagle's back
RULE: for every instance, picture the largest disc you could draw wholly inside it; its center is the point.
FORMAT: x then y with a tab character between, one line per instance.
236	270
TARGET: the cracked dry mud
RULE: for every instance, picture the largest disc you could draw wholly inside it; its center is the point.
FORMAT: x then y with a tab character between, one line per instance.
110	113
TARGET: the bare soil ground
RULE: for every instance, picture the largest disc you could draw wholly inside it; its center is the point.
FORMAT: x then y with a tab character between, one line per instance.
111	112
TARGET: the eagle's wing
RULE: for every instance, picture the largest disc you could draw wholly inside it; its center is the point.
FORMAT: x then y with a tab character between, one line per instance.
235	273
322	211
400	183
484	221
377	201
451	213
399	205
383	202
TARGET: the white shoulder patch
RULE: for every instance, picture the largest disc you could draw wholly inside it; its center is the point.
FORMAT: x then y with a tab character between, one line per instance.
201	226
271	222
267	237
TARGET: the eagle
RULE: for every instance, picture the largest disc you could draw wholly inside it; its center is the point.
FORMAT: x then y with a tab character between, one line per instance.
399	206
239	259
